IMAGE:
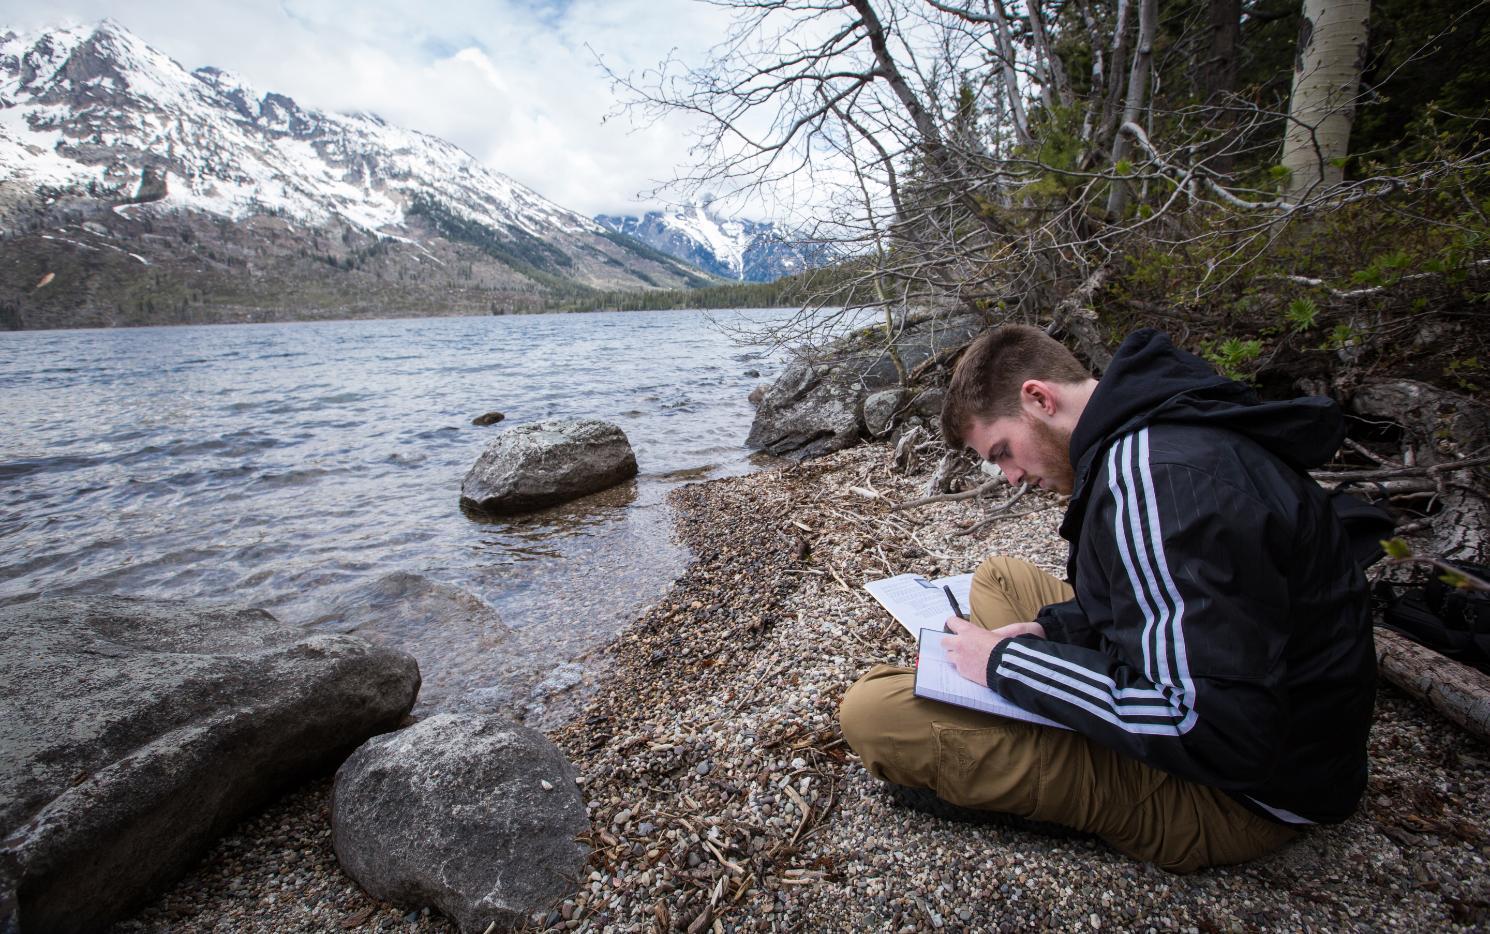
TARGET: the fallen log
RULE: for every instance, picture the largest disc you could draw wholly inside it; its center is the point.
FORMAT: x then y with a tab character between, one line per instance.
1457	691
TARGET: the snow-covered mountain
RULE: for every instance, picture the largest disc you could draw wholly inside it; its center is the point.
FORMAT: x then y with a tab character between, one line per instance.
111	152
744	250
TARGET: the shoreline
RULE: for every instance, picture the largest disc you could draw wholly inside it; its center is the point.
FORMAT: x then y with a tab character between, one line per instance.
723	798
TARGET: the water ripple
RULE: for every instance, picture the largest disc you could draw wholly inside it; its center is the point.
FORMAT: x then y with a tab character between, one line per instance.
314	469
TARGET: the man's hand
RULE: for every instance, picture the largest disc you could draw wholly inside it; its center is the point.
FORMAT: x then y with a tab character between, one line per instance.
970	645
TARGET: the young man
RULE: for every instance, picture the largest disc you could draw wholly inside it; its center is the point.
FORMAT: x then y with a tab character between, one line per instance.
1212	654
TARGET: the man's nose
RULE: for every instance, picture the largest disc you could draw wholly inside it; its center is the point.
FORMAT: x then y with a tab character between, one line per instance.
1012	473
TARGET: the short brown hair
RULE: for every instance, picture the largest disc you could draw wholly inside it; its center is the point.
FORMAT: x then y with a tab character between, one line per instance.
985	384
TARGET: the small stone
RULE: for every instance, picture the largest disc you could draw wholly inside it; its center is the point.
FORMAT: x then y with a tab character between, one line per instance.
702	768
547	785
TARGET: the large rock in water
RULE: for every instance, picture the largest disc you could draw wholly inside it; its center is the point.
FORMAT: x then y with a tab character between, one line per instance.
133	733
817	405
474	815
548	462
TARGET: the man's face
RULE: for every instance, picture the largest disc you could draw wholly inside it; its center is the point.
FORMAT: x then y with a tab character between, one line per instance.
1026	450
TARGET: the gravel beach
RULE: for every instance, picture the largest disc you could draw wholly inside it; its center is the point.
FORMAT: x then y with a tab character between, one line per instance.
723	798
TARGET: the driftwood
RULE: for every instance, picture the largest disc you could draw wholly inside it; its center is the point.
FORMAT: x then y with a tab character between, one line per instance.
953	466
1445	433
1457	691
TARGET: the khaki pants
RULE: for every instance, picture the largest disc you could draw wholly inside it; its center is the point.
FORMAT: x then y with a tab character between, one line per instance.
981	761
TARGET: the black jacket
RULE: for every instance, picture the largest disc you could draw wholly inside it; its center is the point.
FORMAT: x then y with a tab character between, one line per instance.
1220	629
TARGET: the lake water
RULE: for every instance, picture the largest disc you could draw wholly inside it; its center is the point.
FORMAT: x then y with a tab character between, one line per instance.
314	469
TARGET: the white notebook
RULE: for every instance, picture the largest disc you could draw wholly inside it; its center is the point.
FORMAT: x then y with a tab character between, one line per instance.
918	603
937	679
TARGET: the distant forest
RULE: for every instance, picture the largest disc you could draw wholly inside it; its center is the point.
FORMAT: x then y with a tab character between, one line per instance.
831	286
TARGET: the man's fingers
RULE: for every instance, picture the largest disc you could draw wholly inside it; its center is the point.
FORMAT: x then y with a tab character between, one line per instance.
958	625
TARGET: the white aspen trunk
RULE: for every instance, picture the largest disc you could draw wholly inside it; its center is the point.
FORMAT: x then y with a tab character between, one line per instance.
1011	77
1053	75
1326	82
1138	90
1110	112
1099	78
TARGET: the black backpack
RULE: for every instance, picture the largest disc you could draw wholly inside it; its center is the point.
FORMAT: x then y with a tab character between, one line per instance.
1450	620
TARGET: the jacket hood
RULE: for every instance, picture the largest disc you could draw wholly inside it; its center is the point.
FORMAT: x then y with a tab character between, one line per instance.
1150	381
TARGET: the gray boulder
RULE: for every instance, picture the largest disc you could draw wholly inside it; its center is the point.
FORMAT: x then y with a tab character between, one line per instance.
471	814
548	462
818	404
880	409
133	733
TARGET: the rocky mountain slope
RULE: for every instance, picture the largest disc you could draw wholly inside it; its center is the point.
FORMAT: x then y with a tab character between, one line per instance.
743	250
150	194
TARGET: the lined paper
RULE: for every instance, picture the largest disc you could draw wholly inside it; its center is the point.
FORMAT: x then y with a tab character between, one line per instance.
937	679
918	603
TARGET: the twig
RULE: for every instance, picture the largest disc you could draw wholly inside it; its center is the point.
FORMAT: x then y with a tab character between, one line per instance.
974	493
1342	476
1470	581
1361	449
999	517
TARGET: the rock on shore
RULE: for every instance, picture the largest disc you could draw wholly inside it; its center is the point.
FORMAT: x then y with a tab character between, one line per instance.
469	813
547	462
830	400
133	733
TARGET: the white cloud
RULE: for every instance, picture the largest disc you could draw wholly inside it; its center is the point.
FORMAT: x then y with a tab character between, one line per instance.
511	82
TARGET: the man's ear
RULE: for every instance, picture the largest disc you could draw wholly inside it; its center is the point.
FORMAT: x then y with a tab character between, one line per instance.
1037	398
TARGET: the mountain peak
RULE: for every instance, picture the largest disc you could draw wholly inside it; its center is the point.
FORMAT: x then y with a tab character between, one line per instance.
228	147
96	119
735	248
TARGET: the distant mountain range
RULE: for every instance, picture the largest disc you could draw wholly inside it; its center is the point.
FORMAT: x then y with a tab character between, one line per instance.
744	250
139	192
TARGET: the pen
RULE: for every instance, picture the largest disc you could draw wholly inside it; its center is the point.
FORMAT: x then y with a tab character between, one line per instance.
956	610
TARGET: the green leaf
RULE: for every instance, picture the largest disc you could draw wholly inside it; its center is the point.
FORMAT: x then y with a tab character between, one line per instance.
1302	313
1396	548
1456	580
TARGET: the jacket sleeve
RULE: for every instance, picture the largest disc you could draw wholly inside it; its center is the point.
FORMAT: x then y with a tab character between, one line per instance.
1190	677
1067	622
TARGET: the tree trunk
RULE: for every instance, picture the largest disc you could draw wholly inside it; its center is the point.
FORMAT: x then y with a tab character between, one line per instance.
1457	691
1219	75
1440	427
1011	77
1138	92
1326	82
1226	32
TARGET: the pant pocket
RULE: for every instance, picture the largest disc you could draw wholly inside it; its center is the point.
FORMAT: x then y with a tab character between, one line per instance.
994	768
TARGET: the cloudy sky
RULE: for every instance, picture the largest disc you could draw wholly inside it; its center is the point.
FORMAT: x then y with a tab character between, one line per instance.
513	82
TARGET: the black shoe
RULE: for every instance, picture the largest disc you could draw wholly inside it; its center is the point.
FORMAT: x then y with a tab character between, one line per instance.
926	801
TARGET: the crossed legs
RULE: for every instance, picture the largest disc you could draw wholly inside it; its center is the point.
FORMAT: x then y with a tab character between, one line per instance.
981	761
